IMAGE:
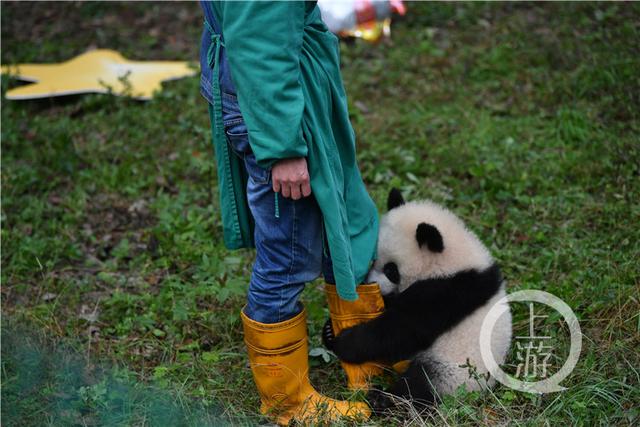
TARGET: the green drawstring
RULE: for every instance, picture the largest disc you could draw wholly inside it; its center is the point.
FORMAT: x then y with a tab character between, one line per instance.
213	60
214	47
277	206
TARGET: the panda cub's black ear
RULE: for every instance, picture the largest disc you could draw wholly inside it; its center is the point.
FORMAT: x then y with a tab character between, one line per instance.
427	234
395	199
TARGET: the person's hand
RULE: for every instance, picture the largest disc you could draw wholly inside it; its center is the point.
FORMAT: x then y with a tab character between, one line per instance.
290	178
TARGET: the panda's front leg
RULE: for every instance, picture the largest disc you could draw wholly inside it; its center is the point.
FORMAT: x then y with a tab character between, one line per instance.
352	345
389	338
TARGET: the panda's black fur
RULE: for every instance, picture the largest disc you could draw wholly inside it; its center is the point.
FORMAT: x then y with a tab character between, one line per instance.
430	320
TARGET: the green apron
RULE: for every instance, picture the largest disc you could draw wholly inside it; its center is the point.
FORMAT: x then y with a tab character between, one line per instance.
285	66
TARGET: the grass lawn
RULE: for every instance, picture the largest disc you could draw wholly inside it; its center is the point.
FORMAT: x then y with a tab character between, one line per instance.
120	304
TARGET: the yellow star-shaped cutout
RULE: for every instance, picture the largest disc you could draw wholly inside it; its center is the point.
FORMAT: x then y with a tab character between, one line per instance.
101	71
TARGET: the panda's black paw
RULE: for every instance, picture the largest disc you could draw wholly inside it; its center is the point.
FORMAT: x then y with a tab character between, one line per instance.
380	401
328	337
345	345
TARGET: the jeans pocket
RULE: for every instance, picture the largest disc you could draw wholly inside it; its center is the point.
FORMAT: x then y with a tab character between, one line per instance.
257	174
238	138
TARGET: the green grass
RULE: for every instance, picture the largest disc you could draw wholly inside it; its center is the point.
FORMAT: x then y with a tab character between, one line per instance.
522	118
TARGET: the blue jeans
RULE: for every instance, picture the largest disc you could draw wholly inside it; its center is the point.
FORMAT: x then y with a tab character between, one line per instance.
290	249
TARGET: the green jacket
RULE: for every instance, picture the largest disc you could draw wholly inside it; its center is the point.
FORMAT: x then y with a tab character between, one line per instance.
285	67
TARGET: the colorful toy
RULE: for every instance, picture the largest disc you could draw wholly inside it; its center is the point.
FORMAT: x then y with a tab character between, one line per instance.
366	19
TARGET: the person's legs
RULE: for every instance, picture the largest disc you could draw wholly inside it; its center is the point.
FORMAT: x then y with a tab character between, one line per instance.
288	239
288	233
345	314
327	265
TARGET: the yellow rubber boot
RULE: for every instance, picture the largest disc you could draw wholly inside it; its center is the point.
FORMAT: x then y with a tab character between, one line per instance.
278	354
345	314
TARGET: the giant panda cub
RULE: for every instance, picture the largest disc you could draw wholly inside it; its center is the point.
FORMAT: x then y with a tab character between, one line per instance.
439	281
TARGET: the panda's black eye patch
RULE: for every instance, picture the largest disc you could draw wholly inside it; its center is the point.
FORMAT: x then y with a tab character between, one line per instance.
390	270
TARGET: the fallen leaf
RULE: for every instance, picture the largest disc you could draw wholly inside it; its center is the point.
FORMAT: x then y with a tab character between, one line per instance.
49	296
87	314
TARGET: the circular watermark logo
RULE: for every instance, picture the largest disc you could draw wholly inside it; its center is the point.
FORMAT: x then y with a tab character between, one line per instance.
537	343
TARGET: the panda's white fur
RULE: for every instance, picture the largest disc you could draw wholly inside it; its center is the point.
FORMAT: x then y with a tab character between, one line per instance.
463	250
396	240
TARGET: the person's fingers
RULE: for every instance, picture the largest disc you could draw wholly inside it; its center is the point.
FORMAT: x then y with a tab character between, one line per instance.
276	185
295	191
306	188
286	189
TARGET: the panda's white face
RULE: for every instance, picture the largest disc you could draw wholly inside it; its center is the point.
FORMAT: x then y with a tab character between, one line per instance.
422	240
